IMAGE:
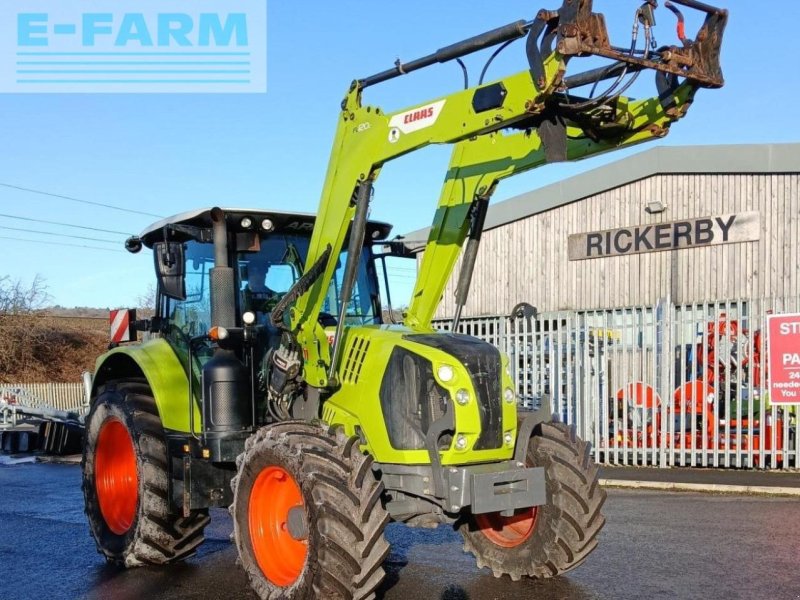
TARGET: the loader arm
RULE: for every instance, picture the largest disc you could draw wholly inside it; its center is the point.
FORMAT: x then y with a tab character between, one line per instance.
536	100
478	165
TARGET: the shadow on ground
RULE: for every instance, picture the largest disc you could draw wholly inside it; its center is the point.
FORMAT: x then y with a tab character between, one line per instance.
422	565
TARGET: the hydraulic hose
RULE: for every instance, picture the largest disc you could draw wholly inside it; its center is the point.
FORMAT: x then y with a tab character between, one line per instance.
299	288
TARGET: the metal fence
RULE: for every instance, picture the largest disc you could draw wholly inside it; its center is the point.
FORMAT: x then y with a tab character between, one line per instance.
60	396
661	385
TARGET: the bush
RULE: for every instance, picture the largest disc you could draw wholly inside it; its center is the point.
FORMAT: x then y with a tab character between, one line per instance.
34	348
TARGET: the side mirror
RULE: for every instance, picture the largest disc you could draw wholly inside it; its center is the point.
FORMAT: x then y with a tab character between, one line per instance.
133	244
170	269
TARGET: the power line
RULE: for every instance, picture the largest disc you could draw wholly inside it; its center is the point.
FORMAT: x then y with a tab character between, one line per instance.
32	220
71	199
16	239
65	235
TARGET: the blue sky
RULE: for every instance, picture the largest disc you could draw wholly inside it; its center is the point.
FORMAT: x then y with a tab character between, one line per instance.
164	154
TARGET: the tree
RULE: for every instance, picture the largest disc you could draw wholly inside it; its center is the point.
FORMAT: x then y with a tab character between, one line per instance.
19	333
18	298
147	302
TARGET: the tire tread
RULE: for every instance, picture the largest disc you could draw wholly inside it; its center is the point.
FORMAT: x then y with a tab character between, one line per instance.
350	521
161	536
567	528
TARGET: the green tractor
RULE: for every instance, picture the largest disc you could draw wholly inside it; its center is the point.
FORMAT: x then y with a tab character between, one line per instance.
273	384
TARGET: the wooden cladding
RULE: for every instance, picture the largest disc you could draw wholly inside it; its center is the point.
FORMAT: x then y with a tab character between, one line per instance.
528	260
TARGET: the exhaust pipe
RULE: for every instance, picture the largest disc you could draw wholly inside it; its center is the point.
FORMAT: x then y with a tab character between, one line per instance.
227	409
223	289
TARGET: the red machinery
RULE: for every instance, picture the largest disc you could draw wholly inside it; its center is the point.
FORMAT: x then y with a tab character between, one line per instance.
717	353
698	406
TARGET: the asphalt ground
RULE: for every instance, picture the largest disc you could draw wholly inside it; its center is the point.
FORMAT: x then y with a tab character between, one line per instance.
654	545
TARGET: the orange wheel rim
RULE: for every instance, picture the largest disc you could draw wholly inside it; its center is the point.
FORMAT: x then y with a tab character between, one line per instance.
115	476
508	532
280	556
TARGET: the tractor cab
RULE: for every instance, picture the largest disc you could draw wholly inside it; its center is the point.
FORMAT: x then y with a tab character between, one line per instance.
266	251
221	276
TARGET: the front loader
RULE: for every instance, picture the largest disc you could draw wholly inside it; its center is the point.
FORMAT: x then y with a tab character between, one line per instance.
271	383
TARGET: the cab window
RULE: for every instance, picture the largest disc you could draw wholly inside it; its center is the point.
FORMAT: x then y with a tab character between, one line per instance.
362	308
266	274
192	316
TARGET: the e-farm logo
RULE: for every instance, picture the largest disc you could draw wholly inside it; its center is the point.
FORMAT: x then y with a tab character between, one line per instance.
139	46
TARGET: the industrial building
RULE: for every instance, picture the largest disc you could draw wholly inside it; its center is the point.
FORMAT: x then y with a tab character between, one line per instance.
694	224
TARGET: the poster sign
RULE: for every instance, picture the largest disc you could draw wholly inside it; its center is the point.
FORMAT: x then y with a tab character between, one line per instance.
784	359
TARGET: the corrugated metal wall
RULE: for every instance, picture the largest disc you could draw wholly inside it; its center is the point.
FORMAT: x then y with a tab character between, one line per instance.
527	260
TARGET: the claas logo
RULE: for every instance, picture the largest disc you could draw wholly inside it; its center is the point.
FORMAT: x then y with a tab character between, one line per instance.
417	115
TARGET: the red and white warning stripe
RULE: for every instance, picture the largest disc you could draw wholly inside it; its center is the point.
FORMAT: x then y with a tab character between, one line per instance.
120	326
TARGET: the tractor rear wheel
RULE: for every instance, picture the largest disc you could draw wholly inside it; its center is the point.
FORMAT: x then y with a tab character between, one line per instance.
307	514
547	540
125	481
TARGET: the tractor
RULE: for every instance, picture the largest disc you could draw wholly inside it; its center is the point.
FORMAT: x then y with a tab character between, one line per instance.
269	382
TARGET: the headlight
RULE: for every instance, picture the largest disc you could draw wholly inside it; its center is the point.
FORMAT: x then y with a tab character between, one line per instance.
509	396
462	397
508	438
445	373
249	318
461	441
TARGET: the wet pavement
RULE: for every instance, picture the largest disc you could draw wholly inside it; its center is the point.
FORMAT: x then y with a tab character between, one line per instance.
655	545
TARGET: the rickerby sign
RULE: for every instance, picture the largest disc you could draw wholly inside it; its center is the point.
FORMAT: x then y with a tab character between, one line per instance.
676	235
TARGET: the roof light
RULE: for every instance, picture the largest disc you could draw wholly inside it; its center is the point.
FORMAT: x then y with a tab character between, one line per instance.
246	222
267	225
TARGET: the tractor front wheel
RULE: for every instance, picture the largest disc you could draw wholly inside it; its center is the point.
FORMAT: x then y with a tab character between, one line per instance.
307	514
125	482
547	540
